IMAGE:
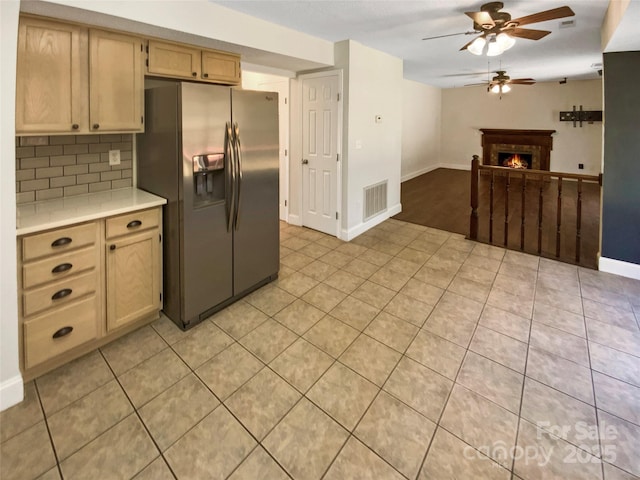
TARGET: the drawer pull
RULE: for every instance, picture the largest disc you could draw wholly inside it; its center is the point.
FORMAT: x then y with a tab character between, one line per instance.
134	223
65	292
63	267
61	242
194	74
62	332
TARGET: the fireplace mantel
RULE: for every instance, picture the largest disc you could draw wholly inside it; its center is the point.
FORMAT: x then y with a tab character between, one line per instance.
537	142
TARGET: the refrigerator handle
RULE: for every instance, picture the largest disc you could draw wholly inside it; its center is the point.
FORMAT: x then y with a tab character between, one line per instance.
238	155
229	175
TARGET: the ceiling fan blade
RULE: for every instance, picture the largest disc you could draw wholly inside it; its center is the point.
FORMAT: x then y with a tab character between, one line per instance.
450	35
515	82
474	84
560	12
527	33
481	18
523	80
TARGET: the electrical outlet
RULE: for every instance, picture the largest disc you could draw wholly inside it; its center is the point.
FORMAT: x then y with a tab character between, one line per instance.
581	166
114	157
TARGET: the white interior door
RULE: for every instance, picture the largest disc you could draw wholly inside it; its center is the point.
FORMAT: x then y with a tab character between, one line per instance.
320	123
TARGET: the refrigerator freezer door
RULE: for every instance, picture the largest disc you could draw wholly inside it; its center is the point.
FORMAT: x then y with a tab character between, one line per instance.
256	231
206	244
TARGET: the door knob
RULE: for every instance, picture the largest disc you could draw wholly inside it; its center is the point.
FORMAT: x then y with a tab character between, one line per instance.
305	161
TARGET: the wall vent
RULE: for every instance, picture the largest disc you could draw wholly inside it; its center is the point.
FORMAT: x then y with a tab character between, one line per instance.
375	200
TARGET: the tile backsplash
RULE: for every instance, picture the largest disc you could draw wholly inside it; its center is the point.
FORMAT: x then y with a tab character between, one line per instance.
62	166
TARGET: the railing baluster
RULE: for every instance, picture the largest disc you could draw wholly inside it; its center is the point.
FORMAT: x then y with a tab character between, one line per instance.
540	214
522	207
579	221
491	206
506	208
559	217
473	220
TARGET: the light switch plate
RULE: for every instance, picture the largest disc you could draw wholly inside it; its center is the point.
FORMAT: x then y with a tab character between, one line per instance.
114	157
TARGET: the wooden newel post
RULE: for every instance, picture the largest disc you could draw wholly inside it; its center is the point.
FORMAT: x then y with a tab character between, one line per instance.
473	219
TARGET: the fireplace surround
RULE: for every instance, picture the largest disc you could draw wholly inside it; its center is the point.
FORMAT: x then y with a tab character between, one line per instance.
537	143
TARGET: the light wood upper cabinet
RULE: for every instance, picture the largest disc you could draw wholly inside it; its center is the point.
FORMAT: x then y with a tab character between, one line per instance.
220	67
74	80
116	82
182	61
171	60
51	86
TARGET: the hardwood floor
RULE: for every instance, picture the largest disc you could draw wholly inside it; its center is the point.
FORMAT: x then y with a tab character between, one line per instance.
440	199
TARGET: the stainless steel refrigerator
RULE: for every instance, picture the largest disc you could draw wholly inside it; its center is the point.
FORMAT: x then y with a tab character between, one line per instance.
212	152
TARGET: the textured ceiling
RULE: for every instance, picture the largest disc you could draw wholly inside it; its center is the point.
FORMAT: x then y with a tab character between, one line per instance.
397	27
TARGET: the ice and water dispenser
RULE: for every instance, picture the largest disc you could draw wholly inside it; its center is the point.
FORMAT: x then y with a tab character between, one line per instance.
208	178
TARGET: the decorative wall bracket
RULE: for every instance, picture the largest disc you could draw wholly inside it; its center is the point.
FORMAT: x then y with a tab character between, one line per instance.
579	116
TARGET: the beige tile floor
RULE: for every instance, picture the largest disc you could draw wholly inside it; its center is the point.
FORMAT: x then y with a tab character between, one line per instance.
406	353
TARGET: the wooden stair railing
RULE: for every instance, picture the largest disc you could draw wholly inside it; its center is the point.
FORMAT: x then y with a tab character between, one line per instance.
526	176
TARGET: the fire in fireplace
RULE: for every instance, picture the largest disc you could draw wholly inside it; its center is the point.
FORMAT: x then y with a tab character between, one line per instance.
515	160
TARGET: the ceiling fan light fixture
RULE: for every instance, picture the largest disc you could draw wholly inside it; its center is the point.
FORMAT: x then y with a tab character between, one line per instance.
495	88
505	88
505	41
493	50
477	46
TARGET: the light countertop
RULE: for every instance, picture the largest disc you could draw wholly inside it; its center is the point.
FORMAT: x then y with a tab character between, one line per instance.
60	212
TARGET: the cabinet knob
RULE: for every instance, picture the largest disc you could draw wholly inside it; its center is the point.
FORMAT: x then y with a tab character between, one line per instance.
62	332
96	126
112	247
75	126
194	74
205	75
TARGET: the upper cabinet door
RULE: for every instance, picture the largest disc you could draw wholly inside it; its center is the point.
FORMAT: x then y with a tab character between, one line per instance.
171	60
51	84
116	82
220	67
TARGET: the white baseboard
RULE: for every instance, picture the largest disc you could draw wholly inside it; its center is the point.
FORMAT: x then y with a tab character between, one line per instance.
422	171
430	168
11	392
295	220
618	267
353	232
455	166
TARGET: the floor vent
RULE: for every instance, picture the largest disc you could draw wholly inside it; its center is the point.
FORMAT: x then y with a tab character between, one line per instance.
375	200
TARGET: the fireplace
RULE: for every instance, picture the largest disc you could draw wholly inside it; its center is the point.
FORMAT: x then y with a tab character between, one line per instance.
533	145
515	160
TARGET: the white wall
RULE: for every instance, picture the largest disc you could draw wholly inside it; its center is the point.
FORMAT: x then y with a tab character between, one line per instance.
372	151
421	119
11	391
466	110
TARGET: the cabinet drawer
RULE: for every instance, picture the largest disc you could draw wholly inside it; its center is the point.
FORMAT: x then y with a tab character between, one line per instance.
79	319
58	293
57	241
132	222
58	267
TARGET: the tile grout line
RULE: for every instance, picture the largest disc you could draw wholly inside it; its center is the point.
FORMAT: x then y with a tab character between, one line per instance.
46	423
135	411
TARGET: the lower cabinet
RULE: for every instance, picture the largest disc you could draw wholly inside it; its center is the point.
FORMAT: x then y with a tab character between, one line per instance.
84	285
133	277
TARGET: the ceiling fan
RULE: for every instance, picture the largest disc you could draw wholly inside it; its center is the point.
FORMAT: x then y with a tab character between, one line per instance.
501	82
498	30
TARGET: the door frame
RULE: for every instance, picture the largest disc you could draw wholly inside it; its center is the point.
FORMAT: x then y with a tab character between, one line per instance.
339	150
